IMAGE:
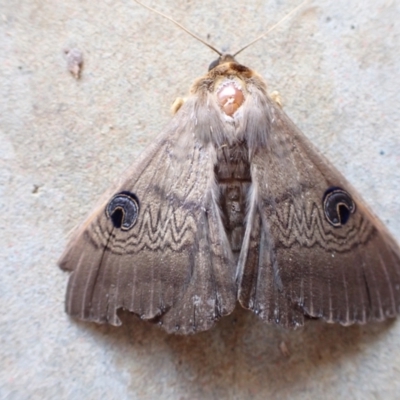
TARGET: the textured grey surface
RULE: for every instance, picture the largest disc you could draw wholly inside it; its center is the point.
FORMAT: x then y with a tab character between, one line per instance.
62	141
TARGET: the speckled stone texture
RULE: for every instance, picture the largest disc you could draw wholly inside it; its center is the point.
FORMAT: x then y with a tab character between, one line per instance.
62	141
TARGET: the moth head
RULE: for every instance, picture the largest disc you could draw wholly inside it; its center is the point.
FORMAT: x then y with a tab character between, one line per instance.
229	82
230	97
222	59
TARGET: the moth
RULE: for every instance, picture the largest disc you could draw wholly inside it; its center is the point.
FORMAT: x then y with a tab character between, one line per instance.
232	204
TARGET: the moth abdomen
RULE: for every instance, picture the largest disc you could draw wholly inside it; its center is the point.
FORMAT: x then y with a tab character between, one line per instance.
233	176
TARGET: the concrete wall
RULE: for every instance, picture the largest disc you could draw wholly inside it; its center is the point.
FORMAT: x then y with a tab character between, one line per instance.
62	141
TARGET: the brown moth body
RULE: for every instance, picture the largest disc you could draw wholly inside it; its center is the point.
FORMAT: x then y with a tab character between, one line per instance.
232	204
227	82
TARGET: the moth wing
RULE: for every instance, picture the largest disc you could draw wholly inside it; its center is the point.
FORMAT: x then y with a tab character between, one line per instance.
295	263
174	265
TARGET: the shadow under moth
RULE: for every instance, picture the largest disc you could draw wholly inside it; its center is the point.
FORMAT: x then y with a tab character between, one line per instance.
232	203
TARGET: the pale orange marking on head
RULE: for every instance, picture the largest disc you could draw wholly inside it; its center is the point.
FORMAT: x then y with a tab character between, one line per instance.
230	98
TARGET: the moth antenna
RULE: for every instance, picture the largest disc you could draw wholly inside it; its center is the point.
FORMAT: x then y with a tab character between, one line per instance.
272	28
180	26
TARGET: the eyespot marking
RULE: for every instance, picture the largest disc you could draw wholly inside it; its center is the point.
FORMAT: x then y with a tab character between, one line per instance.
123	210
338	206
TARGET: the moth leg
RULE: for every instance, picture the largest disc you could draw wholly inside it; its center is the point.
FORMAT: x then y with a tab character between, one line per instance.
277	98
177	104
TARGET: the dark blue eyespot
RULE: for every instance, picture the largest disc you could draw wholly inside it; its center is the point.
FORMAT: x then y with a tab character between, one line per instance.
338	206
123	210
